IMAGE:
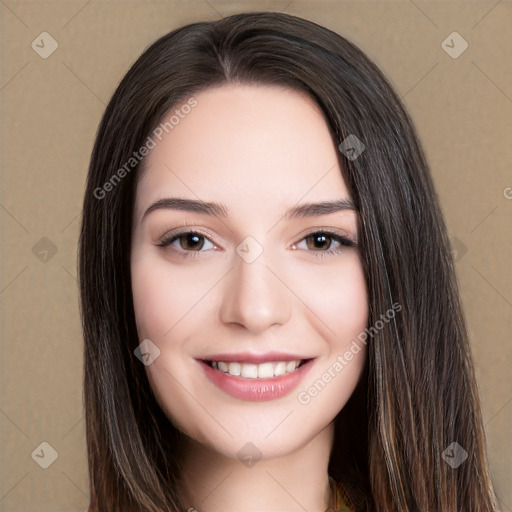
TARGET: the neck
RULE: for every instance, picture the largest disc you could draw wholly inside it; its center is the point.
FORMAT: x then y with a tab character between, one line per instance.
297	481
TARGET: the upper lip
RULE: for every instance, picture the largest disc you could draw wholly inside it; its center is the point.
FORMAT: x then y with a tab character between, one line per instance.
250	357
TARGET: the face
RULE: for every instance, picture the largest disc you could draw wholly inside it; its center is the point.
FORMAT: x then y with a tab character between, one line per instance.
248	280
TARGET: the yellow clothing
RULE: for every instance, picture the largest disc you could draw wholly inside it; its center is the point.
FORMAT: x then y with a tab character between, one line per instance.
339	499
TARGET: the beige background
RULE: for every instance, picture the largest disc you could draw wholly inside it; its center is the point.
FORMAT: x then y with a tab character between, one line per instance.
51	107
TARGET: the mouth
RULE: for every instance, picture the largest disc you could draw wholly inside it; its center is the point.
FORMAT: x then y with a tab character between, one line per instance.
257	381
264	370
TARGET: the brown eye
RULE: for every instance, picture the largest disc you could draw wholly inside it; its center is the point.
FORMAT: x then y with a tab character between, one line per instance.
320	241
188	241
191	241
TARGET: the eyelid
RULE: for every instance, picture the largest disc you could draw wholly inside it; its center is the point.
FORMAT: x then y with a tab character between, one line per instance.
331	231
167	239
185	228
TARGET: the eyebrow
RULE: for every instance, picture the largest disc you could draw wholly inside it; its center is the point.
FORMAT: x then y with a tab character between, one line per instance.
220	210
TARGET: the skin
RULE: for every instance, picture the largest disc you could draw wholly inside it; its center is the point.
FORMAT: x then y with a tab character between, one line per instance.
258	150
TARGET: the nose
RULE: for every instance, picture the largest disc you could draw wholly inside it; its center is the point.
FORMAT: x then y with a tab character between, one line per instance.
255	296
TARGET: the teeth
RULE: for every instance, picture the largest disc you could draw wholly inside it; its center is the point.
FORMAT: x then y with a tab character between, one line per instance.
265	371
256	371
291	365
231	368
248	371
280	368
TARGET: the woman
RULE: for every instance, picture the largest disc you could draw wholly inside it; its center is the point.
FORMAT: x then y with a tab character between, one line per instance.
270	310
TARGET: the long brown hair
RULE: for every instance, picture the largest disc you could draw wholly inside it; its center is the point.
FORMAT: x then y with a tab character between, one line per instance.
418	393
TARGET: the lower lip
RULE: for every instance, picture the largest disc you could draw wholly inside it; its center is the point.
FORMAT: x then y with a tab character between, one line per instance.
256	390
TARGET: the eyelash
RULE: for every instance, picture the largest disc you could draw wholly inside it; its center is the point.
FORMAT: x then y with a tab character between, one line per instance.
343	241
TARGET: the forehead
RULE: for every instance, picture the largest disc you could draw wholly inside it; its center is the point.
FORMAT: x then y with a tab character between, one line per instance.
245	144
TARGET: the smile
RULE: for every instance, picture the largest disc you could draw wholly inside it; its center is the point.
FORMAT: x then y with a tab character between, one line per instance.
257	371
256	382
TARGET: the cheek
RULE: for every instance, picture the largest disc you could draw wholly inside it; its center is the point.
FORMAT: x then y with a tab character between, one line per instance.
161	297
149	299
348	311
339	311
337	300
